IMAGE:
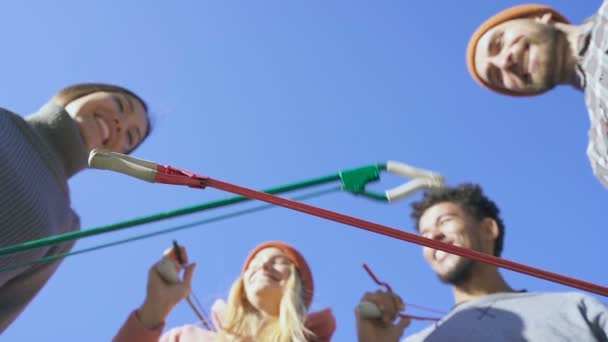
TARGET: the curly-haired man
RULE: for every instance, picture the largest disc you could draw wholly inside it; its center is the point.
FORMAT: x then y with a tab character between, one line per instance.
486	307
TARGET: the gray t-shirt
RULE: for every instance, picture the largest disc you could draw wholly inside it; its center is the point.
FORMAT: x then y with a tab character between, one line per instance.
518	316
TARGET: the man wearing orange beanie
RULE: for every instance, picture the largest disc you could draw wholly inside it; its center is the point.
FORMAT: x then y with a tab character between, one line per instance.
529	49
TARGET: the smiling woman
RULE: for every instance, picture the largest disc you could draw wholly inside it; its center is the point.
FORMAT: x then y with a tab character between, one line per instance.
38	155
108	116
269	301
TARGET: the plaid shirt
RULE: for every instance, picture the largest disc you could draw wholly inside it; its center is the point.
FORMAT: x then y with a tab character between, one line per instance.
593	75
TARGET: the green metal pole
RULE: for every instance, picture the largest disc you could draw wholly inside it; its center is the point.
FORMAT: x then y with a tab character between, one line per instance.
60	238
163	231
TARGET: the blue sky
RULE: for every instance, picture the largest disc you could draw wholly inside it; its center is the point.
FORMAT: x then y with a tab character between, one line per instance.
273	92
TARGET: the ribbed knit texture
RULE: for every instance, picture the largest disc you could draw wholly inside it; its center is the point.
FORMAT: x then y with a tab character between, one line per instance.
37	156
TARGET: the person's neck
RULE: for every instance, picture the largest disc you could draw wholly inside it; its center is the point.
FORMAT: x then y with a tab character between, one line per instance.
485	280
571	58
62	136
267	311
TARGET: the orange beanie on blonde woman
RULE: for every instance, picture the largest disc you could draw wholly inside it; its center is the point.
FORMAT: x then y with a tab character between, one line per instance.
517	12
321	323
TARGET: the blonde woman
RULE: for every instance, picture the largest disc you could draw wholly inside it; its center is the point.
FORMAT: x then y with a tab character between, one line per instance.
269	301
38	154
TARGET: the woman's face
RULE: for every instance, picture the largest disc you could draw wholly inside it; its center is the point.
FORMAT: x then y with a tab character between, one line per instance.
265	278
111	120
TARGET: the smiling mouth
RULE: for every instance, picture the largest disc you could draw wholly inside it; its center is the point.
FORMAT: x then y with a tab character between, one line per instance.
104	129
524	67
440	255
271	276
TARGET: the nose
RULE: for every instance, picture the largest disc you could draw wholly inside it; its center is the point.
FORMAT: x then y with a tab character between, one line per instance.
436	234
117	124
504	60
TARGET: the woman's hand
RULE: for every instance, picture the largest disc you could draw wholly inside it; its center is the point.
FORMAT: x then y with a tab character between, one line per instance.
162	295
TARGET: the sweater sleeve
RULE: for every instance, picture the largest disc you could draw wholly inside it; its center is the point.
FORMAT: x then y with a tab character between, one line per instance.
18	292
322	324
34	204
134	331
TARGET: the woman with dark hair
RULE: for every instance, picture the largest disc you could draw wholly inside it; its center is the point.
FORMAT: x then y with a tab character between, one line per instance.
38	154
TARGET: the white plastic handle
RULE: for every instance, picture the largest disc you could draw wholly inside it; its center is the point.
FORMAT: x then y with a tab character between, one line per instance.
166	269
107	160
369	310
421	179
409	188
408	171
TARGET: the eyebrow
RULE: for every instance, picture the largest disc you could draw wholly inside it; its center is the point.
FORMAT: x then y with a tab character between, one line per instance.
118	103
438	219
138	134
254	261
493	78
491	43
497	34
274	257
489	74
130	103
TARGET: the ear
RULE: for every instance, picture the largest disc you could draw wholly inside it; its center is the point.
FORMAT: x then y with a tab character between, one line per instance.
545	18
489	230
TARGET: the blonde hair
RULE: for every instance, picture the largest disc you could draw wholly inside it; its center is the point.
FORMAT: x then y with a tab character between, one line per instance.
242	320
76	91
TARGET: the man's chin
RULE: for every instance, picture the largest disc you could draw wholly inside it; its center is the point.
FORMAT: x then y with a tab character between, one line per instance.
542	86
458	274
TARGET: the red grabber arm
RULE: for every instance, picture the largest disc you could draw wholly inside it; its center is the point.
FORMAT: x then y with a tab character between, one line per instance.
149	171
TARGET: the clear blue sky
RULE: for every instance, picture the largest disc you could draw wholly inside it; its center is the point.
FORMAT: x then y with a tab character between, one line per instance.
272	92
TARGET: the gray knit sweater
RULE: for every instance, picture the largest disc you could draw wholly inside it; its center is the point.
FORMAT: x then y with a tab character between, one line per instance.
37	156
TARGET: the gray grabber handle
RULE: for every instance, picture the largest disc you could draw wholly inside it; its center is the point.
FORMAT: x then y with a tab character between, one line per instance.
117	162
369	310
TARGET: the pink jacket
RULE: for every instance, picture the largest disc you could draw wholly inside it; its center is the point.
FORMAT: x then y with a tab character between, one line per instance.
322	323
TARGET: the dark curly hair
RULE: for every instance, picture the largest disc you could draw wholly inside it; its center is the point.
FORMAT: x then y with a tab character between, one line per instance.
470	198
